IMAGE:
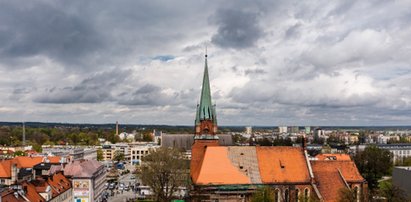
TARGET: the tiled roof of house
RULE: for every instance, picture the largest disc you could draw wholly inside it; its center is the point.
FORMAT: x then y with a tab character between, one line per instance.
31	192
330	181
30	162
59	184
82	168
252	165
5	168
9	196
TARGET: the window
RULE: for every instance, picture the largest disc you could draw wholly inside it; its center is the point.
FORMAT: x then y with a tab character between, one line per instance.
306	194
277	195
286	196
297	195
357	193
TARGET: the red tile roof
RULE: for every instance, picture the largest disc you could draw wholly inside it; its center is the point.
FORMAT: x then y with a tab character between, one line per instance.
329	180
230	165
31	193
282	164
29	162
5	168
8	196
217	168
197	155
59	183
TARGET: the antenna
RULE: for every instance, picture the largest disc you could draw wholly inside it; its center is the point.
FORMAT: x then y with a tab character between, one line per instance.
206	51
24	134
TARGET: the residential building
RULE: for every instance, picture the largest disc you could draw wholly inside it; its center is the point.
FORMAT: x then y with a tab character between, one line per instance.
88	178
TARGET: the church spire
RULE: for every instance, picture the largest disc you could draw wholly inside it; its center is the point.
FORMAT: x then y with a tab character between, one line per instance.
206	122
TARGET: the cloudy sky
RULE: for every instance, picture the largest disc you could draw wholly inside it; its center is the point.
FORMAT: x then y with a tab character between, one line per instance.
271	62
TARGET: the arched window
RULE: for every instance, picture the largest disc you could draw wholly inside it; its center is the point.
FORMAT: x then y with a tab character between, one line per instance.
297	195
357	193
286	196
277	195
306	194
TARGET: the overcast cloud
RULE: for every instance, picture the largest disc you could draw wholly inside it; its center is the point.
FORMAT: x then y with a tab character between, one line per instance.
270	62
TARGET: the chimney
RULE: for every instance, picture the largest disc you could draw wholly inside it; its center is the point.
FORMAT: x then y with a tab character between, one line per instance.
304	142
116	128
13	173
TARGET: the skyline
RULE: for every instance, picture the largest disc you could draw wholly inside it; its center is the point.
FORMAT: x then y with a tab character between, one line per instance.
270	63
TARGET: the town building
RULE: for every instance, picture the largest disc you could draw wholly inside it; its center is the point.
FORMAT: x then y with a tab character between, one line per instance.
88	178
401	178
234	173
133	152
53	188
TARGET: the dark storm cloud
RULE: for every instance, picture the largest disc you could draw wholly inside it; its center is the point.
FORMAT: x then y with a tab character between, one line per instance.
148	94
31	28
236	29
94	89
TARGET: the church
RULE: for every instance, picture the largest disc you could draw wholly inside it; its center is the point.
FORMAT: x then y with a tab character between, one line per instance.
235	173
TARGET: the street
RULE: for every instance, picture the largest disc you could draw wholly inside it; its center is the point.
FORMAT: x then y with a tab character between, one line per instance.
122	196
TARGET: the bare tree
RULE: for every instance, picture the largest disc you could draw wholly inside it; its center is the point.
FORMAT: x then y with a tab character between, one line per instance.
164	170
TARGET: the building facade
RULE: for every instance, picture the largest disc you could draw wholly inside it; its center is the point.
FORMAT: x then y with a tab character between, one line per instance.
88	178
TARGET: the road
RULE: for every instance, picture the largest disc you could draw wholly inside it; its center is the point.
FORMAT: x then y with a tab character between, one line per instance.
122	197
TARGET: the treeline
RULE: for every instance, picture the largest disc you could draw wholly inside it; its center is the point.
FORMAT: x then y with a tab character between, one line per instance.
13	136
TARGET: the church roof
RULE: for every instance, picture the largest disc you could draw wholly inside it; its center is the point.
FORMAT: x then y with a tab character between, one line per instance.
236	165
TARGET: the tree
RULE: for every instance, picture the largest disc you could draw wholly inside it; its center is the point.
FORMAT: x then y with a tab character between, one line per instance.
263	194
392	192
373	163
118	156
346	195
99	155
164	170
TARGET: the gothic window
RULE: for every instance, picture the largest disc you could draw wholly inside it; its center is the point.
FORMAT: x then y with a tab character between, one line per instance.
356	193
277	195
287	196
306	194
297	195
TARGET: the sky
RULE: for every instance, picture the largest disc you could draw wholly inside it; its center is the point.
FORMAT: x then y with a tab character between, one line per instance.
273	63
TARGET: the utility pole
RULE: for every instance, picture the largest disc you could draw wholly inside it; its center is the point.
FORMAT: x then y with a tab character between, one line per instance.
24	134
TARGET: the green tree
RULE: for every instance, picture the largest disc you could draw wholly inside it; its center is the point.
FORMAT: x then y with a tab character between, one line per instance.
164	170
263	194
373	163
346	195
99	155
391	192
118	156
19	153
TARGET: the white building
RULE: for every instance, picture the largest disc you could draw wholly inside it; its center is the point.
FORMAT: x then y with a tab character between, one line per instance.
282	129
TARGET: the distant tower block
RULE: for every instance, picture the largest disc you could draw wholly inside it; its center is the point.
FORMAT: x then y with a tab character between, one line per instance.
116	128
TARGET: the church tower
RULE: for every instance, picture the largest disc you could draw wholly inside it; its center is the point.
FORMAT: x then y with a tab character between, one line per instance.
206	119
205	126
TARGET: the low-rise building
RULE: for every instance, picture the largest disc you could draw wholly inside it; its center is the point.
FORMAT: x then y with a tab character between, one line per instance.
88	178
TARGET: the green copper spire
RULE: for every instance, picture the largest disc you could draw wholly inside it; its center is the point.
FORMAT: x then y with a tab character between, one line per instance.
205	110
